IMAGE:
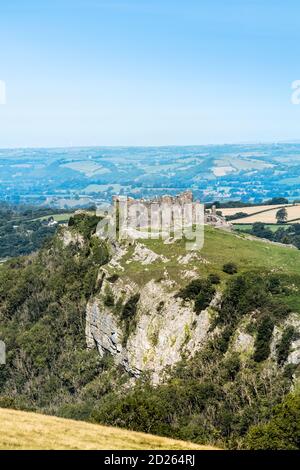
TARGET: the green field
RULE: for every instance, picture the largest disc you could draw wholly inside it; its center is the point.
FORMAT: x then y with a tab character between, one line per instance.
247	227
58	217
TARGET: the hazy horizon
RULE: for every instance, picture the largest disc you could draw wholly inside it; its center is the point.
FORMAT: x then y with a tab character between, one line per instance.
209	144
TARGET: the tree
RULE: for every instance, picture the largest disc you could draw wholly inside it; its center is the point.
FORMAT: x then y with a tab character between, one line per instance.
281	215
281	432
277	200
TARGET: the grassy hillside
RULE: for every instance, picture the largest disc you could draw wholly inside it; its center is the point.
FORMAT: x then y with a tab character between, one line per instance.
23	430
220	247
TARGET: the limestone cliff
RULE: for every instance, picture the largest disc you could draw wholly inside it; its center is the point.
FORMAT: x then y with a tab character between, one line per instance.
163	328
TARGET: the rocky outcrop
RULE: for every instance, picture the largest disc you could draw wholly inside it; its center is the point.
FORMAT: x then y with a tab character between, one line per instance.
165	328
146	256
69	237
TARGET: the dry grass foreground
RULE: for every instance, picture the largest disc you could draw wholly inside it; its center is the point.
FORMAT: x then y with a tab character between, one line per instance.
21	430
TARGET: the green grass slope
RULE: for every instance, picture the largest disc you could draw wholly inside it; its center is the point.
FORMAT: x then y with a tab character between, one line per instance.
219	247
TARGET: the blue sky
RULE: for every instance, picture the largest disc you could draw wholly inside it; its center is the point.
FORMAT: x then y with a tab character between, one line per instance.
148	72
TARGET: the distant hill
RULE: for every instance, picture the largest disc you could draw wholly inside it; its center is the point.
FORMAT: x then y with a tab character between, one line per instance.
21	430
78	176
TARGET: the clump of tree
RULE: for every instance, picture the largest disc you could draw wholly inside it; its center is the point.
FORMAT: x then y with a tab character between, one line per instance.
84	223
109	300
263	338
199	400
283	347
128	316
290	234
24	229
251	293
277	201
260	230
238	215
201	291
43	302
282	216
281	431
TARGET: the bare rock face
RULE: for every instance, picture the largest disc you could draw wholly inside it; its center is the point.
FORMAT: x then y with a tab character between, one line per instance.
244	343
102	330
294	356
165	328
146	256
162	329
68	237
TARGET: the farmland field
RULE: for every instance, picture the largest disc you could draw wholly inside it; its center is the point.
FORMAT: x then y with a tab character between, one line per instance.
273	227
251	209
265	214
57	217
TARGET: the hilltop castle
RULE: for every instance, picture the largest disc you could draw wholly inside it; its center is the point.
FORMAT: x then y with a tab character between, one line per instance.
177	203
180	199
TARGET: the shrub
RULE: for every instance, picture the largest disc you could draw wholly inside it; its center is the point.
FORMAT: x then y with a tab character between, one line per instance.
274	284
109	299
230	268
246	293
214	278
279	310
190	291
113	278
222	341
128	316
204	297
130	307
283	347
263	338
